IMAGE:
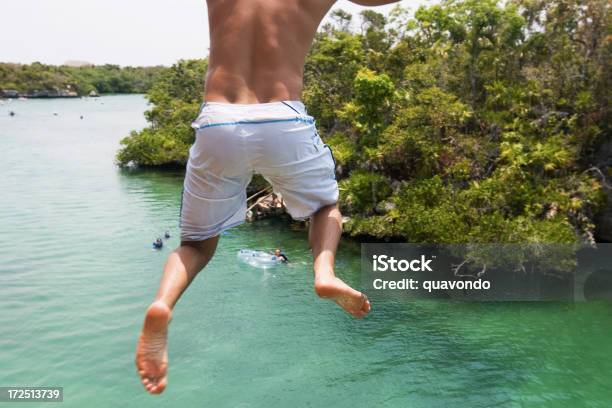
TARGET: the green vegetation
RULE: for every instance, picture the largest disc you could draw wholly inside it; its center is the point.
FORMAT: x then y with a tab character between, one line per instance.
469	121
176	97
50	79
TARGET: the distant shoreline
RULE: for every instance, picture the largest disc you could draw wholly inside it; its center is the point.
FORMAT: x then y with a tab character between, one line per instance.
47	81
13	94
30	96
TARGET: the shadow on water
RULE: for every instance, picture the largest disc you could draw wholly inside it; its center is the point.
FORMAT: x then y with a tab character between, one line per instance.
158	183
156	193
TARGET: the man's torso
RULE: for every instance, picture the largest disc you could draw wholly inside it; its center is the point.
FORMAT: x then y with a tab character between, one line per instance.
258	48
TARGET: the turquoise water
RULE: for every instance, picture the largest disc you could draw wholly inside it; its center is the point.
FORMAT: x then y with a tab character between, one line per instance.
77	272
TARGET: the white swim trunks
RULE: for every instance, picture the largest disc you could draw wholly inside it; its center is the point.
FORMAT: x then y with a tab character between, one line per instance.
278	140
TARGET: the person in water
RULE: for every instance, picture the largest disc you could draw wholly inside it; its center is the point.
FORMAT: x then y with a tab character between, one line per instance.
167	235
280	256
158	243
251	120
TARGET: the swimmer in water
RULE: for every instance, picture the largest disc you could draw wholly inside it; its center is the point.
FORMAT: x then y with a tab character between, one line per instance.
280	256
158	243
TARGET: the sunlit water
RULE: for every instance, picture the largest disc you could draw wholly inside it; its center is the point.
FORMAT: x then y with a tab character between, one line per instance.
77	271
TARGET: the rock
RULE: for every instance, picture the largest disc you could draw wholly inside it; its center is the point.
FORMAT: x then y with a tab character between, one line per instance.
389	206
9	93
270	205
396	185
384	207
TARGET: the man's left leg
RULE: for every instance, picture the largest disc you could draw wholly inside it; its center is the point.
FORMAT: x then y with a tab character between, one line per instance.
181	268
324	236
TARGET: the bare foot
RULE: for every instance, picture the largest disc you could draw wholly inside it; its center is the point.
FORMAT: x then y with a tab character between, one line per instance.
354	302
151	352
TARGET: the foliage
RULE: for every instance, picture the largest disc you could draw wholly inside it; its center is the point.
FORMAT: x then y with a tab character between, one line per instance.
363	190
481	116
175	97
467	121
38	77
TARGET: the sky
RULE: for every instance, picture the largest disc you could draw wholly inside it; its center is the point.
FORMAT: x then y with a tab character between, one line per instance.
123	32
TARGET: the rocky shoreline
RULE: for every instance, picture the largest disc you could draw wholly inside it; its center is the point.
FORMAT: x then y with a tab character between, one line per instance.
265	204
14	94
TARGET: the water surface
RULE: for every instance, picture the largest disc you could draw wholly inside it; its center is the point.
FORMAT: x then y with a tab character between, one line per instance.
77	272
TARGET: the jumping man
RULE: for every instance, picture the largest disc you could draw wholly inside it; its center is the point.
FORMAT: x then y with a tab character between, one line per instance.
252	121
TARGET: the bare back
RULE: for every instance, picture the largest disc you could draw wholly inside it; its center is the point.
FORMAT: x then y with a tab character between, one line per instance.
258	48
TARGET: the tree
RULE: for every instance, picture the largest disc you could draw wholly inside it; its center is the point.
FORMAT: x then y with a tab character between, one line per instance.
471	121
175	96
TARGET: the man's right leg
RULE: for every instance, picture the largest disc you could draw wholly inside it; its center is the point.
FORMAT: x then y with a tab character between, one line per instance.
181	268
324	236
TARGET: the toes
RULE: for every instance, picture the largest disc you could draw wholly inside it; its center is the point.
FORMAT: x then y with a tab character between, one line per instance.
148	384
161	386
364	308
154	385
158	388
367	306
